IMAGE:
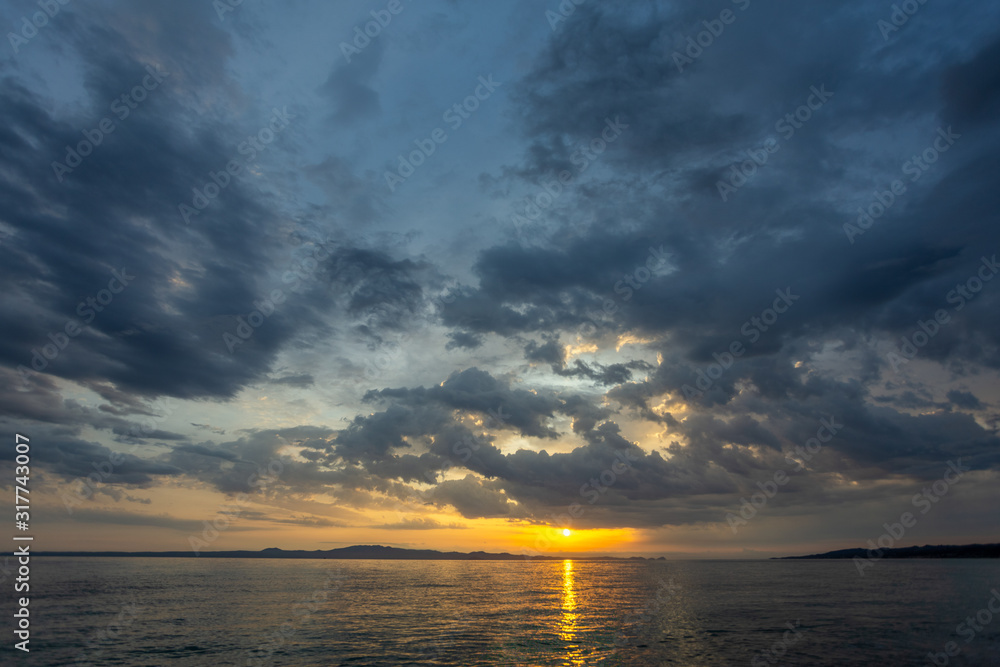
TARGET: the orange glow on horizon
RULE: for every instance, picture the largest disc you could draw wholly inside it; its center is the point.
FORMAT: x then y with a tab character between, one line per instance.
553	540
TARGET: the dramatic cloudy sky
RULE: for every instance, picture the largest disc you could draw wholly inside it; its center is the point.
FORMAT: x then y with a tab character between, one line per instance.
531	327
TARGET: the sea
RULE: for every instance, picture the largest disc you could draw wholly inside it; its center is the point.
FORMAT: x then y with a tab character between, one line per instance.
199	611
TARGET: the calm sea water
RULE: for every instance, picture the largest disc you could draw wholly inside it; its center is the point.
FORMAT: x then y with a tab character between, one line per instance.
134	611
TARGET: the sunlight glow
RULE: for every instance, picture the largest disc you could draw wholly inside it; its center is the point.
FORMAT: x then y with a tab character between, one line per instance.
552	540
569	619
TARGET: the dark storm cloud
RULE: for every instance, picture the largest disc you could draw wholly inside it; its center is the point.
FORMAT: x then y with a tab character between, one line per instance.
576	277
528	289
115	219
301	380
911	400
370	437
472	499
424	415
462	340
41	403
780	233
154	336
612	374
537	480
255	463
621	64
731	257
584	412
406	467
553	353
972	88
71	458
380	291
964	399
549	352
477	391
203	450
350	84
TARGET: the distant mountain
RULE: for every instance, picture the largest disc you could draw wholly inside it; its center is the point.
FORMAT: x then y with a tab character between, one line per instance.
927	551
369	552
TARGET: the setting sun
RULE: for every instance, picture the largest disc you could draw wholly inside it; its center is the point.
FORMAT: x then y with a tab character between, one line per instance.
566	532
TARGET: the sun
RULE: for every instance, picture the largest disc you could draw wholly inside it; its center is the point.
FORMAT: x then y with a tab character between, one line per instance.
566	532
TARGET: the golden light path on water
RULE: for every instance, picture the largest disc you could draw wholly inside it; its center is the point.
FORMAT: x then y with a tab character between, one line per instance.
570	618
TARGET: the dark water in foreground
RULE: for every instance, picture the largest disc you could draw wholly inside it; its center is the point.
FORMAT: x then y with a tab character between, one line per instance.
134	611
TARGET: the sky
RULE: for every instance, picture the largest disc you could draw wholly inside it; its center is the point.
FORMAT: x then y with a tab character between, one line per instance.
678	278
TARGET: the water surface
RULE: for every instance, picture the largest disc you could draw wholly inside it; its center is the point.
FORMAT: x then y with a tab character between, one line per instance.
153	611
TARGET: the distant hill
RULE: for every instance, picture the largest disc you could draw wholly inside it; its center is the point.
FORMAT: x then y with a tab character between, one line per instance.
370	552
927	551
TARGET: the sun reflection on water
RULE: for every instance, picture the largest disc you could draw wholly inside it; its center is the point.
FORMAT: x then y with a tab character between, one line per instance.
569	618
